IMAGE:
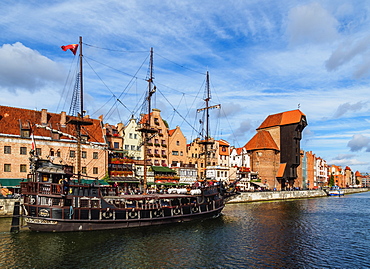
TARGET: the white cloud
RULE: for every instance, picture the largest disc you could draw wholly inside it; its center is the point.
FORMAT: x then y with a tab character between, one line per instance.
311	24
26	69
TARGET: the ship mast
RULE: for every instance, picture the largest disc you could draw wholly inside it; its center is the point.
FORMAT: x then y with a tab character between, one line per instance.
79	121
207	139
146	128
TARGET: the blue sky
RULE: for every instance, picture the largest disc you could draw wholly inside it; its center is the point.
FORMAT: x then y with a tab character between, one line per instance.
264	57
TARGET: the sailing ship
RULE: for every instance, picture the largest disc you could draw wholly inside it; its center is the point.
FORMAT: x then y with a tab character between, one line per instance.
54	202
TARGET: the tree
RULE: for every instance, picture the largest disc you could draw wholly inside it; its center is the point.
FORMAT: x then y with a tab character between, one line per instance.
331	180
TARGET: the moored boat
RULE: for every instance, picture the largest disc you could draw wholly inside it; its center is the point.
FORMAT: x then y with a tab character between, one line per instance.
335	191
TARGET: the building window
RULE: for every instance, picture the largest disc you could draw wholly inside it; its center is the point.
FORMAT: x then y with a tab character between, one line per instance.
135	136
7	167
23	168
84	170
130	135
51	152
84	154
175	153
23	151
138	148
58	153
95	155
127	147
177	143
116	145
181	153
7	150
25	133
95	170
38	151
72	154
132	147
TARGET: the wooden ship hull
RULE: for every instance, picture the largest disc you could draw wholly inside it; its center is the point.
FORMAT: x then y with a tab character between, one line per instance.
48	208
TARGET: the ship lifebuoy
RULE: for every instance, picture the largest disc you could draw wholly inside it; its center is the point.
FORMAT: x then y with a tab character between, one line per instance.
60	181
176	211
132	214
107	214
157	213
195	209
32	201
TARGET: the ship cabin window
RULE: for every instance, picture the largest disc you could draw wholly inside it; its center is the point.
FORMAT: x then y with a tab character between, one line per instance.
175	202
23	151
44	178
95	203
84	202
130	204
38	151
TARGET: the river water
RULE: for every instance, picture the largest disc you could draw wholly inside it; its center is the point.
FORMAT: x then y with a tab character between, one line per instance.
330	232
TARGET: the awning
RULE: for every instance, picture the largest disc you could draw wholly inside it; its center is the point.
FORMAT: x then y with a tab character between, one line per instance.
11	182
259	184
51	170
163	169
124	179
91	181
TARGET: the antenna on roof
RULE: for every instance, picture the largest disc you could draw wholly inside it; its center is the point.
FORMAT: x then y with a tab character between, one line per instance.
299	105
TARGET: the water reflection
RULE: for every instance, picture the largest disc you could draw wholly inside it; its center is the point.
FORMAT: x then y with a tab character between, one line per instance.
288	234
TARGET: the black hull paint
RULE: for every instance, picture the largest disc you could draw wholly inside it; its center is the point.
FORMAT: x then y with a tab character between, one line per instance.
62	225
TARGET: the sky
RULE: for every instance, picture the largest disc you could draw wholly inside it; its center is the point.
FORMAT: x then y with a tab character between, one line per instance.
264	57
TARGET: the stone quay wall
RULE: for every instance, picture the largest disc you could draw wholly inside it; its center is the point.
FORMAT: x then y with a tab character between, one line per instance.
6	207
245	197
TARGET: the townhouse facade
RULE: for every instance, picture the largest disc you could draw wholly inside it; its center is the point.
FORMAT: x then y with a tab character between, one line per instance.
53	138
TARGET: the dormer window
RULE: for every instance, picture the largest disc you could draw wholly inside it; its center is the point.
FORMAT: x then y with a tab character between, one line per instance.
25	129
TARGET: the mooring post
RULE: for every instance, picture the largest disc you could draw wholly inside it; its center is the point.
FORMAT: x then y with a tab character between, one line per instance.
16	216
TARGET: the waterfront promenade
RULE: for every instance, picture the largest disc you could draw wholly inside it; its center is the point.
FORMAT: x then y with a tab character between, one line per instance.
285	195
7	205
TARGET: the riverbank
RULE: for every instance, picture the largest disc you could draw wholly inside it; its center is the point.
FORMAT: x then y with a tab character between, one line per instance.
7	205
245	197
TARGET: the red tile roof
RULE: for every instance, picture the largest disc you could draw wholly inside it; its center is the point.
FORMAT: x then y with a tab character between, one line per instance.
281	170
261	140
11	117
170	132
284	118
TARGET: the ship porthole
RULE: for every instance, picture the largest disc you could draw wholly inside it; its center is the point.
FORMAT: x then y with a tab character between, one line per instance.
195	209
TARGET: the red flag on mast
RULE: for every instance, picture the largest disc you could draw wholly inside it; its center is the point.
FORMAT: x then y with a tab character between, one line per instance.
72	47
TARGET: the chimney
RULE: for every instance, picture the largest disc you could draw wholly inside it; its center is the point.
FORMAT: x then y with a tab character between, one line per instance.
44	116
63	118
